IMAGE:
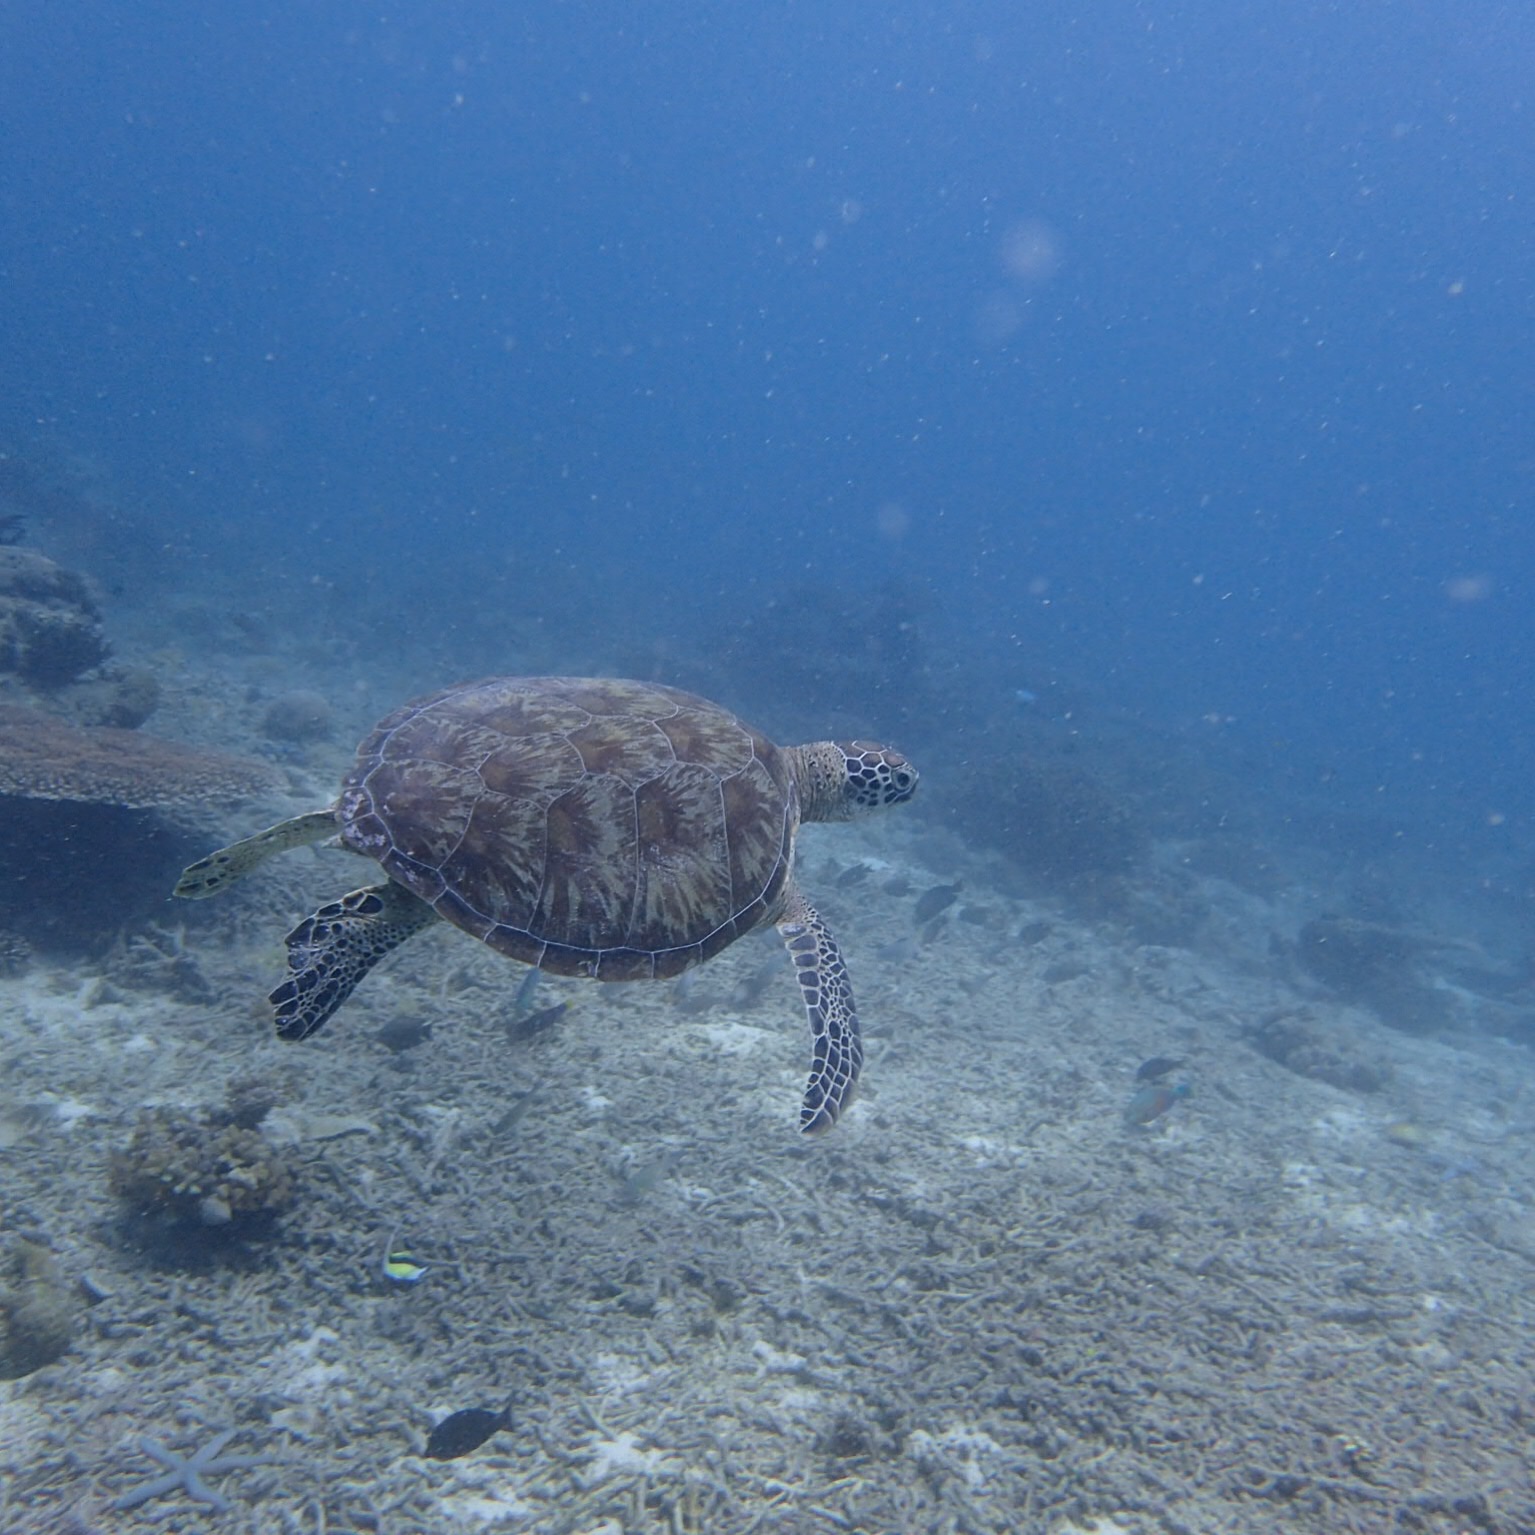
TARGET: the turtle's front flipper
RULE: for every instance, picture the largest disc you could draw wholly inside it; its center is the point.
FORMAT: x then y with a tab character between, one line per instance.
330	952
219	870
835	1050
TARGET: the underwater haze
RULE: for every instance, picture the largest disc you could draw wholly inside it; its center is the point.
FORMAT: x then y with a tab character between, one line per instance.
1127	412
1186	346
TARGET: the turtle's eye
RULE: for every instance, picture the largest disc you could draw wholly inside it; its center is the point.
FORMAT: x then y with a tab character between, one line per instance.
900	780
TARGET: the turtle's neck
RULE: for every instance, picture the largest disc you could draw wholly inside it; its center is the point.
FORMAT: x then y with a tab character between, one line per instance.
820	773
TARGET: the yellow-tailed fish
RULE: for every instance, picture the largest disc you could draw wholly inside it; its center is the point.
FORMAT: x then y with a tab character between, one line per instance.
401	1268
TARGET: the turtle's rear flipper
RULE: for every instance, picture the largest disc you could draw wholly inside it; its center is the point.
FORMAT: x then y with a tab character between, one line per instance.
219	870
330	952
836	1053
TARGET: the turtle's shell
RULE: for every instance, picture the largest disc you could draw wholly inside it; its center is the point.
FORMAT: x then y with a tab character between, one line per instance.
587	826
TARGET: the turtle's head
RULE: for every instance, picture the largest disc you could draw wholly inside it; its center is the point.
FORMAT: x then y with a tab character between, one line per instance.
842	779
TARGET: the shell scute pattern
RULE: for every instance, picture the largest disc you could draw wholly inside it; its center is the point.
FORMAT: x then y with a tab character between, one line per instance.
452	907
590	869
760	844
514	713
535	768
436	806
683	879
632	751
505	890
418	736
626	831
711	738
361	830
614	695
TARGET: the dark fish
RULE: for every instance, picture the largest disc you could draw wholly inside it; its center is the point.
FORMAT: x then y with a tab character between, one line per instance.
461	1432
1153	1101
537	1023
1157	1066
852	875
404	1034
939	899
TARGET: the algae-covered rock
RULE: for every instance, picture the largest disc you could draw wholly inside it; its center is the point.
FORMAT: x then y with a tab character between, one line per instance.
37	1310
199	1171
1296	1042
50	625
119	696
1380	967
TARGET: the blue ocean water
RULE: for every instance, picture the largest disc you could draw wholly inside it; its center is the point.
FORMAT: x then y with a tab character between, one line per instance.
1123	410
1181	350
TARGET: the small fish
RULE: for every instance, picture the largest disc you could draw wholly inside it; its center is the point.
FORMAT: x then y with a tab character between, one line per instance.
520	1029
634	1186
750	990
931	902
401	1268
461	1432
1450	1165
522	1003
1153	1101
513	1117
686	996
854	874
401	1034
1157	1066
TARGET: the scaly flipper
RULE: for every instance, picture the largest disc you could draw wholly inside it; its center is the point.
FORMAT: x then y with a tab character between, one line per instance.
836	1053
219	870
330	952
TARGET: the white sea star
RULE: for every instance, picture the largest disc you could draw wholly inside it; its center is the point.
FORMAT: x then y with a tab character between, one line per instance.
187	1472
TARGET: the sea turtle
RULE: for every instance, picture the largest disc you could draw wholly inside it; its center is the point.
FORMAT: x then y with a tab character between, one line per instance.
588	826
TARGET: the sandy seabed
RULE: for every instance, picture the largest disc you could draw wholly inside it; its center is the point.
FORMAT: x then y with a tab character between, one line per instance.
983	1303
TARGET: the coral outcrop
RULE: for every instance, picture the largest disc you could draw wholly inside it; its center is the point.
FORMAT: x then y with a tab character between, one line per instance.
50	624
37	1310
44	758
83	853
198	1170
1380	967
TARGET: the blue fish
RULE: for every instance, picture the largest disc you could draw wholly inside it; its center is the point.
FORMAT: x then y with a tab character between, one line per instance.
1152	1101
